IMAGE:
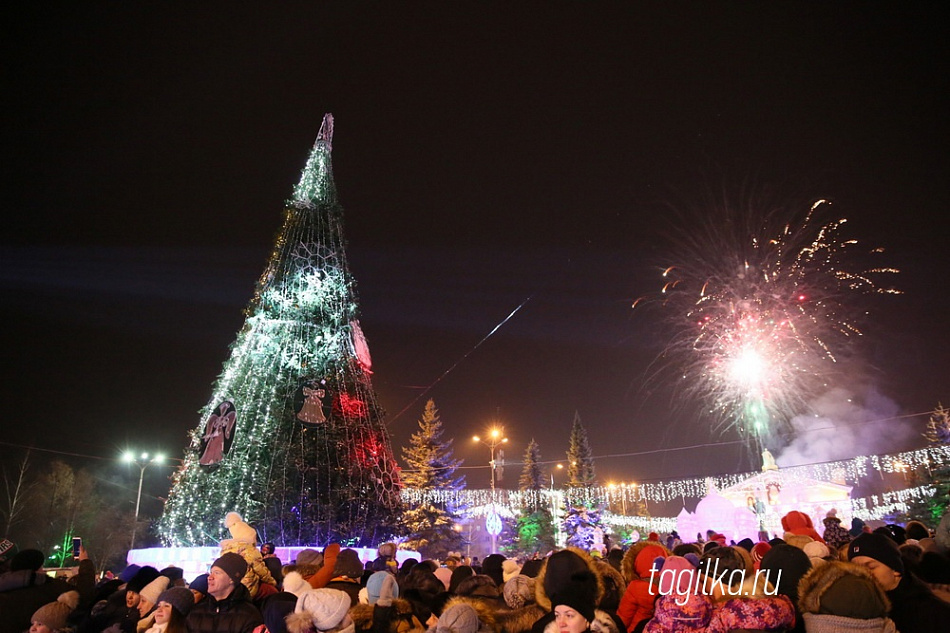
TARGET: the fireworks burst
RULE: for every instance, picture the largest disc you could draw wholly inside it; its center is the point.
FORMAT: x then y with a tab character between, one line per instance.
762	314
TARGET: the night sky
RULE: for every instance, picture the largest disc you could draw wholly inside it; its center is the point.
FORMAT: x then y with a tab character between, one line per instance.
484	155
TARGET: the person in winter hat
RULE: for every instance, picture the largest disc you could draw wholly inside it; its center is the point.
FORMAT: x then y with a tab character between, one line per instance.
835	534
483	588
463	616
817	553
321	611
742	600
171	610
612	585
423	591
460	573
857	527
53	617
347	573
492	566
783	567
142	577
914	607
796	522
386	558
759	550
559	570
320	576
227	606
843	596
129	572
142	617
296	584
798	540
679	608
445	575
881	556
309	557
199	587
243	542
176	576
27	559
384	611
509	569
148	597
518	591
272	562
637	602
574	605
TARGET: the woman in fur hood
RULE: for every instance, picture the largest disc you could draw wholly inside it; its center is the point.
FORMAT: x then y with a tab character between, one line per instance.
574	608
561	571
555	572
841	596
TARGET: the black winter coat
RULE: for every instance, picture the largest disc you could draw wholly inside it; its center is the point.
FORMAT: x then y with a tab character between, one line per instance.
915	608
234	614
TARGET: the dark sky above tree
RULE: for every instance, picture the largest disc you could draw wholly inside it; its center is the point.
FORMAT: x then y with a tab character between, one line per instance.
484	154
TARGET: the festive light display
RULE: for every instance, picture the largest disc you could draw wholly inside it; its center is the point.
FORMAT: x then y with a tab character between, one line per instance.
310	459
762	312
849	471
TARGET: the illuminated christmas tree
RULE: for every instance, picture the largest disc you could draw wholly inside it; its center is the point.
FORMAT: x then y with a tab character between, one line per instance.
293	438
431	467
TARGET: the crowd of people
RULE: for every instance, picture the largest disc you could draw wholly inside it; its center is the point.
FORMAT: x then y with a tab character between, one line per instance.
892	578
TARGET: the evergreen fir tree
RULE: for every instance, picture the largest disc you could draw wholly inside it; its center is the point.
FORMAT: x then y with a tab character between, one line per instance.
931	509
582	521
584	529
938	426
531	476
938	434
293	438
535	526
580	459
431	467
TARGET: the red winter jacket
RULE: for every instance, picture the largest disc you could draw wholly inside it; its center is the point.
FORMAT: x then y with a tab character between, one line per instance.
638	599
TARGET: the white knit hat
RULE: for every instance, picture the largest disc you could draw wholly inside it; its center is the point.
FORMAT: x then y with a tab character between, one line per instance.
240	531
243	532
154	589
295	584
325	607
509	569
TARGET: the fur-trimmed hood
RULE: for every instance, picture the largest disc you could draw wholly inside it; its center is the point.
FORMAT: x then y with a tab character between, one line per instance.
519	620
815	583
300	622
401	617
628	566
540	594
488	623
602	623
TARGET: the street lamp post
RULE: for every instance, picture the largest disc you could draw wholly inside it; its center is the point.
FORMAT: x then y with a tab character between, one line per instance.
143	461
495	438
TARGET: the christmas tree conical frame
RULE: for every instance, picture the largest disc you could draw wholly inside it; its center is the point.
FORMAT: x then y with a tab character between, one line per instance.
293	437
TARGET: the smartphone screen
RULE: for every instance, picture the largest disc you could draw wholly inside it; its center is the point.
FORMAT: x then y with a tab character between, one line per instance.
77	543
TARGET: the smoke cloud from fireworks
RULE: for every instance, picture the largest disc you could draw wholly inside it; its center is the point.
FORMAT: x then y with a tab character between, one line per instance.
842	427
763	311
